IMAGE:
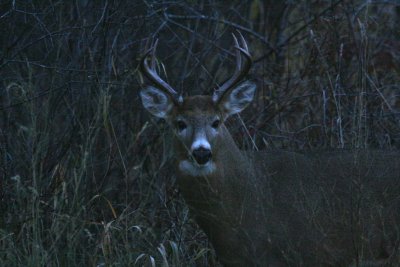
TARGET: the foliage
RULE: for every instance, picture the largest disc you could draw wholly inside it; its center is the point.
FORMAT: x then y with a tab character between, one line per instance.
85	173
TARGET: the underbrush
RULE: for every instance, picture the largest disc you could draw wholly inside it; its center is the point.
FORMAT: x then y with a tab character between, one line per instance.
86	174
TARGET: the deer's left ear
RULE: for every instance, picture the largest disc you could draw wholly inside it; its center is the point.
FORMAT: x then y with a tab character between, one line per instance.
237	99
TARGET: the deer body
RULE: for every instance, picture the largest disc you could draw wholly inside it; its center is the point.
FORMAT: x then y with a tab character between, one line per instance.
277	208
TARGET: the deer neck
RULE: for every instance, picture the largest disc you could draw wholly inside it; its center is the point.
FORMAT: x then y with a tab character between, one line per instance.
231	161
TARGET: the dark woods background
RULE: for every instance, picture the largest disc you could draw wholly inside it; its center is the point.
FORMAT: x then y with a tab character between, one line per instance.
85	172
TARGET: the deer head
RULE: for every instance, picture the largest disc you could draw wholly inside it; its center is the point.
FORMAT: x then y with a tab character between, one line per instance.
198	121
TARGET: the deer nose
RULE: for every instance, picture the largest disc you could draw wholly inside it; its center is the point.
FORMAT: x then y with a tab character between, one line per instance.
202	155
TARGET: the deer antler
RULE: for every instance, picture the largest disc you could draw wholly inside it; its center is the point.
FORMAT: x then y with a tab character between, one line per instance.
151	73
240	70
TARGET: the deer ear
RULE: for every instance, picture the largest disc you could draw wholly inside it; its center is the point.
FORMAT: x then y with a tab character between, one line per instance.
156	101
237	98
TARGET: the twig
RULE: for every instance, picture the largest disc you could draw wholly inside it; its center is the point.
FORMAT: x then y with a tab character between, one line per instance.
226	22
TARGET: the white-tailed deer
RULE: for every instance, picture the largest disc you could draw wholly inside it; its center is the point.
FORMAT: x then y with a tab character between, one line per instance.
276	208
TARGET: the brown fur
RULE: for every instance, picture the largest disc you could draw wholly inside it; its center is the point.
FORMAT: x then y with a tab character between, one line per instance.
277	208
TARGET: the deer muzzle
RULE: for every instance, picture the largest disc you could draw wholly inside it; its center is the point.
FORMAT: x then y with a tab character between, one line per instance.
202	155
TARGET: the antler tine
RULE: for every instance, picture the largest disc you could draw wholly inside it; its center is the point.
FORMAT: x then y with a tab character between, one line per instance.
240	71
153	55
151	73
238	57
244	44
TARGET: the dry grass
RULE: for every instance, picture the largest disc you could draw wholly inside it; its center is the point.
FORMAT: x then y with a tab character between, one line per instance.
85	172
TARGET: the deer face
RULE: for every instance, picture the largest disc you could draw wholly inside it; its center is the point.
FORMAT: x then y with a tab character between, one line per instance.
196	125
197	122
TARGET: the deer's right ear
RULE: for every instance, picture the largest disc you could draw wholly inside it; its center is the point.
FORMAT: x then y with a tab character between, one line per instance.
156	101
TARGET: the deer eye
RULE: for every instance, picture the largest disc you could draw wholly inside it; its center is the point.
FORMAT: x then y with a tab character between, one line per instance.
215	124
181	125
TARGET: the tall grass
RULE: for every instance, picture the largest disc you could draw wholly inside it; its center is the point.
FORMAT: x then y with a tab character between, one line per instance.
86	176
